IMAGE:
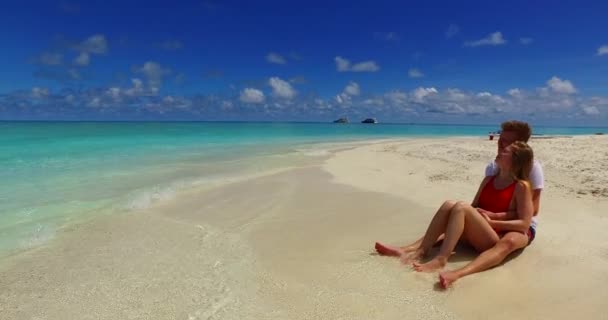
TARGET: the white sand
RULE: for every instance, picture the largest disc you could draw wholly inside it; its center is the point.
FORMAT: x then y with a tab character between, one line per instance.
298	245
558	276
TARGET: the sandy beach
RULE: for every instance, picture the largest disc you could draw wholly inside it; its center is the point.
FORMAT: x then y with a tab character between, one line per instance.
298	244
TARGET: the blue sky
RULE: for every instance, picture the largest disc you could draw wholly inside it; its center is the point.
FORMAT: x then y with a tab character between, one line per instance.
467	62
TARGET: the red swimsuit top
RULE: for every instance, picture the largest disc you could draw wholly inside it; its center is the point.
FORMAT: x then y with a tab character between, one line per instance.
496	200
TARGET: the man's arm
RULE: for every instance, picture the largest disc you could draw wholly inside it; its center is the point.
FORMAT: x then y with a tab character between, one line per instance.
536	200
511	215
524	211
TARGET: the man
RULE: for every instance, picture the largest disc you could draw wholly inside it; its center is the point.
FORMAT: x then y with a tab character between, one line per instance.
511	131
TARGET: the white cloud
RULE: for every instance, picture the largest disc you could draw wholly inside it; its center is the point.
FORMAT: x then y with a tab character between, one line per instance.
114	93
281	88
366	66
515	93
603	50
83	59
343	99
343	65
543	92
137	89
456	95
494	39
154	74
40	93
95	102
551	102
421	93
96	44
397	97
415	73
456	101
452	31
374	101
561	86
591	111
227	105
352	89
490	97
526	41
170	102
275	58
600	101
250	95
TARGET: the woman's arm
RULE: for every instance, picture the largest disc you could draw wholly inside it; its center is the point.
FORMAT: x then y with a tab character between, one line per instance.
524	208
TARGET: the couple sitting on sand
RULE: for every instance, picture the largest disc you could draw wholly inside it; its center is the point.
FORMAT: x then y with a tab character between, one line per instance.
500	220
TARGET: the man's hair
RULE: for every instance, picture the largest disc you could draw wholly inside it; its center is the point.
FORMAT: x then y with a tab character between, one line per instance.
522	129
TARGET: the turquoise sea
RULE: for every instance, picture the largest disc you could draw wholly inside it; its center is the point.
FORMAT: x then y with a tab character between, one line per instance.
53	173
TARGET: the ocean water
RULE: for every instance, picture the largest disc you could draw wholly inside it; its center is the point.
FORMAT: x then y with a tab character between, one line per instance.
54	173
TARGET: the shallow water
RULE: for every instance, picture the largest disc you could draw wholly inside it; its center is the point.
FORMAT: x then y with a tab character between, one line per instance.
56	172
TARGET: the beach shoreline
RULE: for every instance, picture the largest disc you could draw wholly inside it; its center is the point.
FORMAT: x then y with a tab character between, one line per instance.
298	244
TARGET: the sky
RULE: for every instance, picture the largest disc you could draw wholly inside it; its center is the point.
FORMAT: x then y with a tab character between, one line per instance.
475	62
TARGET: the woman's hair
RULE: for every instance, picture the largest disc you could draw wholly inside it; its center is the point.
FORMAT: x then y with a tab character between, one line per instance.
522	157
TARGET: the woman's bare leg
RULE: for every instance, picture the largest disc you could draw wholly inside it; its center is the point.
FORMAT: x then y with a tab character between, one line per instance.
416	245
465	221
453	231
487	259
404	251
395	251
436	228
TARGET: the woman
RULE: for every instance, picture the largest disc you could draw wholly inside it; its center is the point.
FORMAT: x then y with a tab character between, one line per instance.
508	190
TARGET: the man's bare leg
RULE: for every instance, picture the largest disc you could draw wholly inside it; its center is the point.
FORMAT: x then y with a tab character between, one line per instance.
487	259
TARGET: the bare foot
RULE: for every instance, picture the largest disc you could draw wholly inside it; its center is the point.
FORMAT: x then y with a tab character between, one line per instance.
433	265
410	257
387	250
446	278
